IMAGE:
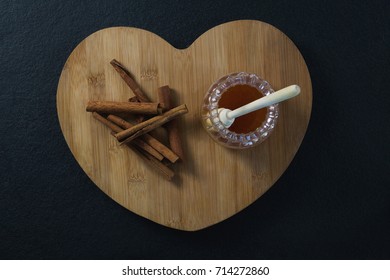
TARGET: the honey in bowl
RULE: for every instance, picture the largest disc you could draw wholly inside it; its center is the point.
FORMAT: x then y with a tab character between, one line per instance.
240	95
231	92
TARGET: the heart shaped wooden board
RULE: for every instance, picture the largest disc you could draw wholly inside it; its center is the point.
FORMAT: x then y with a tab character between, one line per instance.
213	183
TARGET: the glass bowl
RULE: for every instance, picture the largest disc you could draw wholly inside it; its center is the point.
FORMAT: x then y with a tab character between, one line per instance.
218	131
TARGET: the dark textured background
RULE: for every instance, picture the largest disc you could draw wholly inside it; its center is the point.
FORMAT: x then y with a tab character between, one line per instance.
333	202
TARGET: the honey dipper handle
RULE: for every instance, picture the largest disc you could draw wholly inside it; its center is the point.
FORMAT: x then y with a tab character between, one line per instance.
276	97
227	116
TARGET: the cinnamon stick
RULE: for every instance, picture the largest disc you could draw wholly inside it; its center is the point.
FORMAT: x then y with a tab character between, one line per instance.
129	81
138	142
165	99
130	134
153	142
149	159
112	107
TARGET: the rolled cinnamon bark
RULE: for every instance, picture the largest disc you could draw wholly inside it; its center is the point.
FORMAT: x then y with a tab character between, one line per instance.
125	74
142	128
112	107
165	99
145	147
153	142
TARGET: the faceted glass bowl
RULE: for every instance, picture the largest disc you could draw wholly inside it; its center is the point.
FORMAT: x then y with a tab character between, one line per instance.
216	129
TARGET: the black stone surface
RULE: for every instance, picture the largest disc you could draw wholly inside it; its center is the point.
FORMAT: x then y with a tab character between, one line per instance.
333	202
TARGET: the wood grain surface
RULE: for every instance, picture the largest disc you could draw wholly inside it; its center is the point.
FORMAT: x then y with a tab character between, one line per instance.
213	183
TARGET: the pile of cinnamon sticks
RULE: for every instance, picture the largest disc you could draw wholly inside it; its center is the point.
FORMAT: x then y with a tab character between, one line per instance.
146	116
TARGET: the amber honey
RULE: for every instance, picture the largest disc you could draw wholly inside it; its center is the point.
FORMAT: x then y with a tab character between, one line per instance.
237	96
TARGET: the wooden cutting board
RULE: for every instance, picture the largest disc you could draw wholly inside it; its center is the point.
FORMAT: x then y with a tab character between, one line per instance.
214	182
